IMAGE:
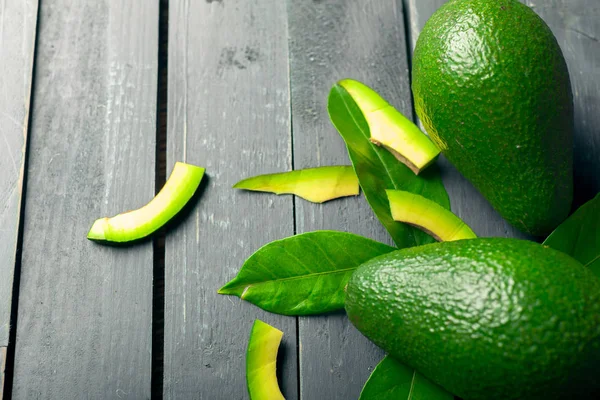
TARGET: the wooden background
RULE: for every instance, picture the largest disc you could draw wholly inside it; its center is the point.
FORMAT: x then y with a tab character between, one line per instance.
241	89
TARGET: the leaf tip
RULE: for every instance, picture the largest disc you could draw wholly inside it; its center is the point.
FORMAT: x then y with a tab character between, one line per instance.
239	185
226	289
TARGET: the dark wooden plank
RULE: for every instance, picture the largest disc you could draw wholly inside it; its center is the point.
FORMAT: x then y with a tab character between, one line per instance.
17	40
2	368
576	25
418	12
85	310
229	112
329	41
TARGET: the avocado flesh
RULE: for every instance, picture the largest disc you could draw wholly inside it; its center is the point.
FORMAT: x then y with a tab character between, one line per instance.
389	128
261	362
492	89
488	318
428	216
137	224
317	185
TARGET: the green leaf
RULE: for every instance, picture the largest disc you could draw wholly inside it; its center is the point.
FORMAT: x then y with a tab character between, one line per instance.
313	184
391	380
579	235
378	170
303	274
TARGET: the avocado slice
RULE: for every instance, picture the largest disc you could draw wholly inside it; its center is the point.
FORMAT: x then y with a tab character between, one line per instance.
137	224
428	216
486	318
261	362
313	184
389	128
492	89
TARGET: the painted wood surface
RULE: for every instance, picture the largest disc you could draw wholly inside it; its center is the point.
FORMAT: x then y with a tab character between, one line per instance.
228	111
2	367
329	41
85	310
17	40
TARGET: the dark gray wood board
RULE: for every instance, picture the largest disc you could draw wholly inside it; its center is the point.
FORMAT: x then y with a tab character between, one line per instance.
465	200
17	41
576	25
85	310
229	112
329	41
2	368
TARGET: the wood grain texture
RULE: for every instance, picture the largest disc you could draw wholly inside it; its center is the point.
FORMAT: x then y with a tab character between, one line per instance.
466	201
2	369
84	320
229	112
576	25
17	40
329	41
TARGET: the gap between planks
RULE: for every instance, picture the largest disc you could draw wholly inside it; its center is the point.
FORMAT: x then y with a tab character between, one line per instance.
158	288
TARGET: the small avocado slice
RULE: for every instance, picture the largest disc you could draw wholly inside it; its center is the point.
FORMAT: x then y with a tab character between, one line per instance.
313	184
486	318
389	128
137	224
428	216
261	362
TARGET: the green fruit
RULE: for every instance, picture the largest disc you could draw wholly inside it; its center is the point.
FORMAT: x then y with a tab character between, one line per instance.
492	89
318	185
261	362
428	216
137	224
489	318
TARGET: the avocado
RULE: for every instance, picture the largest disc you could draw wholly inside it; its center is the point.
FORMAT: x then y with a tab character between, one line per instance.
487	318
428	216
317	185
261	362
137	224
492	89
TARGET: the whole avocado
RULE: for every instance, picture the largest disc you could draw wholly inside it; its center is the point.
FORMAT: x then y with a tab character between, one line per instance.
489	318
492	89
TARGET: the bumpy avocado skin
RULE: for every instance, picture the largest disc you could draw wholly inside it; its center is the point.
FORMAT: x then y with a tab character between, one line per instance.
492	89
488	318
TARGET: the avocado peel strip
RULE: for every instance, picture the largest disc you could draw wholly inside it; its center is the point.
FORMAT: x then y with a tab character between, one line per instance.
261	362
137	224
428	216
392	130
317	185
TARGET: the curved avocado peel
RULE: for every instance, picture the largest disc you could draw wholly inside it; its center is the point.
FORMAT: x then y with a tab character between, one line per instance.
428	216
313	184
137	224
261	362
391	129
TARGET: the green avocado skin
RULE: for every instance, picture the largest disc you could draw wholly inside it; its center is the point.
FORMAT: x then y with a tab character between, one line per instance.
488	318
492	89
